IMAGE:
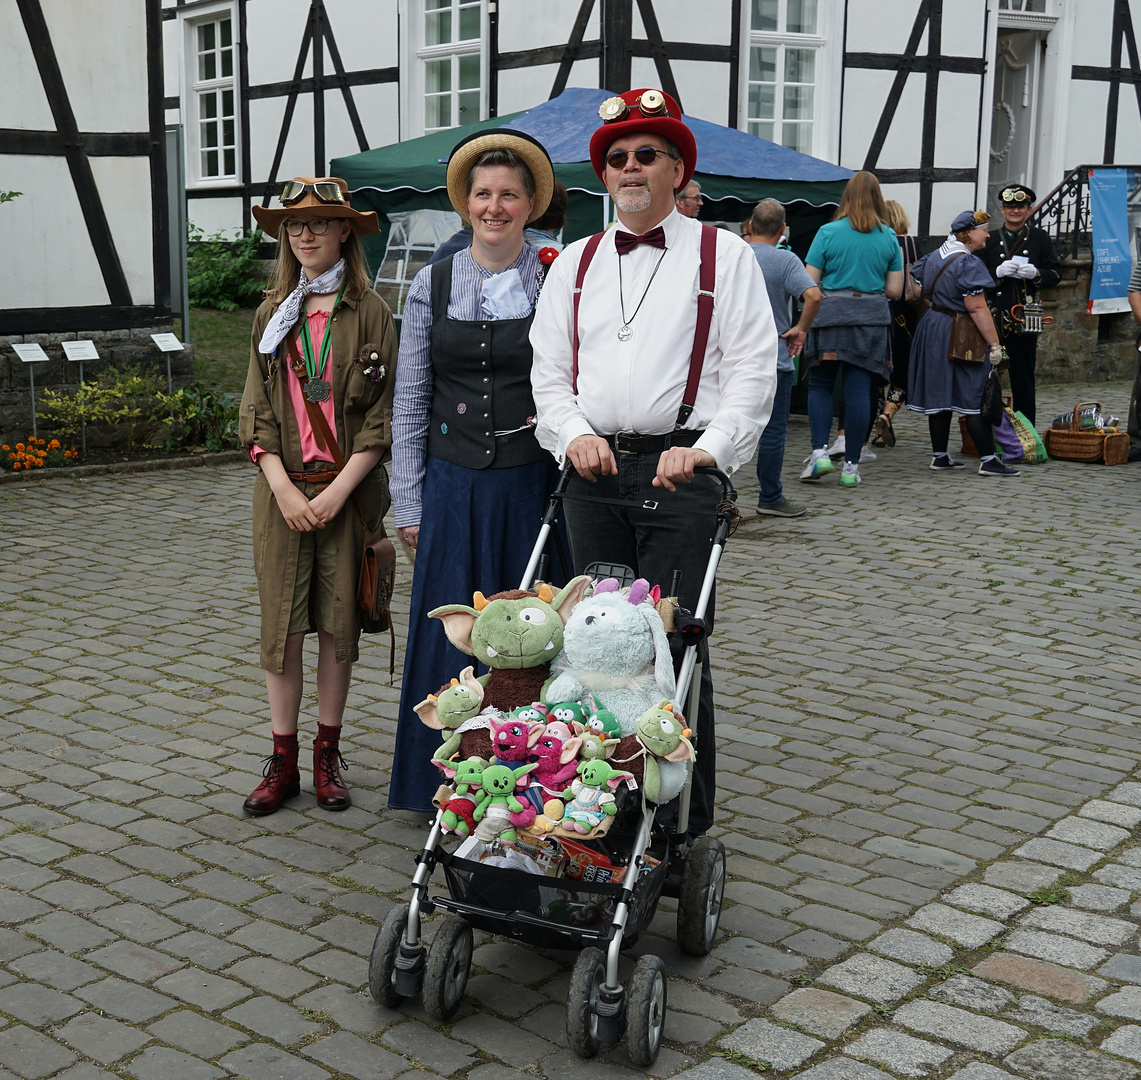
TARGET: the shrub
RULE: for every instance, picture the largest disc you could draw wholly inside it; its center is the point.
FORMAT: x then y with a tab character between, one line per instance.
200	417
127	397
224	274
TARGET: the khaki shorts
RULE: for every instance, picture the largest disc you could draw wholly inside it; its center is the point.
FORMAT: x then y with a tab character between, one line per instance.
316	574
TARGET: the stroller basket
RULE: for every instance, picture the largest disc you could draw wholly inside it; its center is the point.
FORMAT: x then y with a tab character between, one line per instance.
546	911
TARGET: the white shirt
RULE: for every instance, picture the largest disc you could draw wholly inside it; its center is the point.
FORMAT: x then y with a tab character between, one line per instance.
638	385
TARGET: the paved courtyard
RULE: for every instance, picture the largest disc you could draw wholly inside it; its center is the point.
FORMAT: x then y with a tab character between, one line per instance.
929	728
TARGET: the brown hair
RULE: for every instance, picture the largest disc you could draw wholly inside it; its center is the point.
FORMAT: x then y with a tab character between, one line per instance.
555	216
286	270
768	218
502	156
862	203
897	217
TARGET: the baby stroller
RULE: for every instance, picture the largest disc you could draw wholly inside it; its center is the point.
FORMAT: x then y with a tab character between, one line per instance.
599	915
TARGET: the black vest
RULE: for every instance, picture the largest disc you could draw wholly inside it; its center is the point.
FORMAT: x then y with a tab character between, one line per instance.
482	376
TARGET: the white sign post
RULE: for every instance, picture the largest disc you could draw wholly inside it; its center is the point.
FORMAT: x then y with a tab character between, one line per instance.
80	351
31	354
168	343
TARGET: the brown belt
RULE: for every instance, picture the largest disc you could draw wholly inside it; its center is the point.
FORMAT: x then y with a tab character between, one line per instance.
324	476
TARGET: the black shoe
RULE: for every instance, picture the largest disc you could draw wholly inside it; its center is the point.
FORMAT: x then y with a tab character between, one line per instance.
994	467
782	508
1135	453
945	463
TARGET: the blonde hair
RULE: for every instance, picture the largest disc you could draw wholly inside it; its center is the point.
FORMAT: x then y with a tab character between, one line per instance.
862	203
897	217
286	269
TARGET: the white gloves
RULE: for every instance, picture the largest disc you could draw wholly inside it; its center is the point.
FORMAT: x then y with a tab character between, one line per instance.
1027	271
1006	269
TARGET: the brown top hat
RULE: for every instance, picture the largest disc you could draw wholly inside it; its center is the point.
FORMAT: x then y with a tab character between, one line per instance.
315	197
634	112
466	153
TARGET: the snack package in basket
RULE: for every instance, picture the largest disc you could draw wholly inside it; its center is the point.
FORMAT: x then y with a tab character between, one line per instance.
586	864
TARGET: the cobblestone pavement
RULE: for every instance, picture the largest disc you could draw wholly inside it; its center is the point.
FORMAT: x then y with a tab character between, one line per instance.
928	727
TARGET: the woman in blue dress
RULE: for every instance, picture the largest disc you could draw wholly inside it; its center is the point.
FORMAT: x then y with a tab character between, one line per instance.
955	280
470	482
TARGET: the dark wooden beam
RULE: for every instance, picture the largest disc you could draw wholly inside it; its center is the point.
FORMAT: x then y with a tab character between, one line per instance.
617	17
370	77
658	50
574	42
91	143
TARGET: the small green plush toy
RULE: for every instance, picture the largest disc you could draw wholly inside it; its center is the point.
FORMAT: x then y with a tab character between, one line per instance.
666	740
498	812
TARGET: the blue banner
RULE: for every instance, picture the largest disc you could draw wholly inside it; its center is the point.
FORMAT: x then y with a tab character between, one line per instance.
1109	212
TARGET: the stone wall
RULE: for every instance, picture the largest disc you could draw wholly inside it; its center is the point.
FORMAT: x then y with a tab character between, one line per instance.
1070	349
117	348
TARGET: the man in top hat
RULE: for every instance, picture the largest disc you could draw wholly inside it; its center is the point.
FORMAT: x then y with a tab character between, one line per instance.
1022	260
612	367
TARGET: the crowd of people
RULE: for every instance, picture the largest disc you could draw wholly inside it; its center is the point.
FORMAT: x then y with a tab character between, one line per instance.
636	357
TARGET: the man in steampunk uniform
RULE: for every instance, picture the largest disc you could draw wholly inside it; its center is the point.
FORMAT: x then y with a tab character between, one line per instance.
1023	261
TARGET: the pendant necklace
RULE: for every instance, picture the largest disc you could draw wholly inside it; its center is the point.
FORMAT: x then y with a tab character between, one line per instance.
624	331
317	388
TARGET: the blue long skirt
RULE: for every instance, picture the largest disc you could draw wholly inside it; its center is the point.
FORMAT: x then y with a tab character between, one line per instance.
936	383
477	531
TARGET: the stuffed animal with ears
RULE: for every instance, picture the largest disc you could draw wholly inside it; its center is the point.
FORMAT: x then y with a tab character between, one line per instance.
615	645
513	738
517	634
591	797
499	813
446	710
665	739
459	810
556	750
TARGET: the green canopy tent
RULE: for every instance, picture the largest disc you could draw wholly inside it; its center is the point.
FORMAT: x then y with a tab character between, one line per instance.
735	170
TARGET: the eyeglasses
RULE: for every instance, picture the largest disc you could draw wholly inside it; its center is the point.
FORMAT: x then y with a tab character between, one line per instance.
693	198
644	155
1017	195
317	226
325	191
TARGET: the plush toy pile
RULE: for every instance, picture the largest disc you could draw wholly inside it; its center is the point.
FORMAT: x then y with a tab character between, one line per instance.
578	702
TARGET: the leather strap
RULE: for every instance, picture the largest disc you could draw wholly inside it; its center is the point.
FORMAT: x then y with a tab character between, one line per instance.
583	266
942	269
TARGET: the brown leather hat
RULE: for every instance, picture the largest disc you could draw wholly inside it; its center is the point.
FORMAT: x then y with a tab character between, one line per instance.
315	197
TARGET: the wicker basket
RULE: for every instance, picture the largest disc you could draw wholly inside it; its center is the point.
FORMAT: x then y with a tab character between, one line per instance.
1101	444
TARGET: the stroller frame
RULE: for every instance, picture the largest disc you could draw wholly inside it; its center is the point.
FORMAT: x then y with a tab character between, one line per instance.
600	1009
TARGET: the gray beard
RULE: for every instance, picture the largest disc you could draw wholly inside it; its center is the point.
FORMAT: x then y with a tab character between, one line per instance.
634	200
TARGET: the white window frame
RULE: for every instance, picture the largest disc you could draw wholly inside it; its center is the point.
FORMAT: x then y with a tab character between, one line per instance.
193	18
416	55
823	137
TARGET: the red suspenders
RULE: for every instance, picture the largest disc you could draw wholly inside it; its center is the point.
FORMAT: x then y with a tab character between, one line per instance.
706	278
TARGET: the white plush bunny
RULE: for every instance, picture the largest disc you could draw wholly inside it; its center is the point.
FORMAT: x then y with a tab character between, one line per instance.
615	646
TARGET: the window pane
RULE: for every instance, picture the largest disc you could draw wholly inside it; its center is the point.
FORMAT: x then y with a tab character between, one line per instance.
227	63
469	107
210	163
798	102
469	72
761	100
437	76
209	133
231	168
438	111
227	102
765	15
469	23
207	106
765	131
800	65
763	65
227	132
438	28
225	29
801	17
435	5
207	66
798	137
206	37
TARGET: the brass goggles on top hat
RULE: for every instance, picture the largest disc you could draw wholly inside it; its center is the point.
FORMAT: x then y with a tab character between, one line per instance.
651	103
325	191
1015	195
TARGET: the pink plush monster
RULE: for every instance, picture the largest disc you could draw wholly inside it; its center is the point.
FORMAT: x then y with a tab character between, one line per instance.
556	750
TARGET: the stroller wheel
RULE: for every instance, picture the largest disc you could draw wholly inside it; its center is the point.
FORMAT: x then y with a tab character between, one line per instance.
446	973
646	1010
587	978
702	889
382	962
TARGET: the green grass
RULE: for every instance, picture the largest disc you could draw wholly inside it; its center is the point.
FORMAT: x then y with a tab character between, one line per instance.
221	341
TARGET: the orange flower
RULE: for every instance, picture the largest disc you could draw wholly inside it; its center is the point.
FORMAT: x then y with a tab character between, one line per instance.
19	446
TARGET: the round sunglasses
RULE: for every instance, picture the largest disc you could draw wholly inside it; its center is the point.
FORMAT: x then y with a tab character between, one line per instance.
644	155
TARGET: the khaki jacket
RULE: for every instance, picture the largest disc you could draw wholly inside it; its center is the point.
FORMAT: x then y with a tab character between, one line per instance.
363	422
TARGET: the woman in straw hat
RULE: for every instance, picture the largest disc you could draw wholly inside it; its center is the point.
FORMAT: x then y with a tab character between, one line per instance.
469	480
319	387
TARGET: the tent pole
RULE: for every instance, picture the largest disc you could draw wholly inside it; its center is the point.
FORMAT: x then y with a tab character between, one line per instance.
605	212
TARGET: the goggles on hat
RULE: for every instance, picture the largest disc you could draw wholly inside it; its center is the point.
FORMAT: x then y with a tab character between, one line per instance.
1015	195
325	191
650	104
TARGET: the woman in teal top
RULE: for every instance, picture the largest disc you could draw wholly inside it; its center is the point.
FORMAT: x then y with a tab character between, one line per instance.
856	261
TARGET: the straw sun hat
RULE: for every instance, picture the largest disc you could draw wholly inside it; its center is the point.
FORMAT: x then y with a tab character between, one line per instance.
310	205
530	150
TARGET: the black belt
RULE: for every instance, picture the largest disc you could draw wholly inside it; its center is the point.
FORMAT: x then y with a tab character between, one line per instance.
627	442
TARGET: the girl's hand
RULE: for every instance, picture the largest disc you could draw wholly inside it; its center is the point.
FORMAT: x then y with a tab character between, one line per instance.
297	510
327	504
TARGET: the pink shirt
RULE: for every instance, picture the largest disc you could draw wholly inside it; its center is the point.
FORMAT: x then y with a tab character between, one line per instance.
310	449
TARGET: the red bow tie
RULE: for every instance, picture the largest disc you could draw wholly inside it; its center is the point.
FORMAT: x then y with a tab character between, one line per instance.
624	241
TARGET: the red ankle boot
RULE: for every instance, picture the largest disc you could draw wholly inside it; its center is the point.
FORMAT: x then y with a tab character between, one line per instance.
282	778
327	764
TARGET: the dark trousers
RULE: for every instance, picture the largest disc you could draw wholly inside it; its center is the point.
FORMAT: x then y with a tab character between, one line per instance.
1023	352
677	535
1134	421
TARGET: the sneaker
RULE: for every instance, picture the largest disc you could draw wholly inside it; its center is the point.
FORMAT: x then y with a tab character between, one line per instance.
782	508
850	476
994	467
816	465
837	448
866	455
945	463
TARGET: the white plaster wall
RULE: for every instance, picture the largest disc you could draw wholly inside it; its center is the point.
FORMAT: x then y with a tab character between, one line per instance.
132	230
957	121
57	266
525	25
217	215
29	108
